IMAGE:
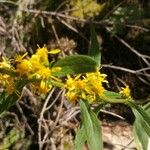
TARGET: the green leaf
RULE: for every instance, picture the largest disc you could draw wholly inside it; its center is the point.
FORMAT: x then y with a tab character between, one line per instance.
75	65
80	138
147	107
92	127
141	128
141	137
112	95
138	109
94	51
7	101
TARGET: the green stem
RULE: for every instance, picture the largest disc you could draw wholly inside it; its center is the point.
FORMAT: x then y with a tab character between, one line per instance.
114	101
57	84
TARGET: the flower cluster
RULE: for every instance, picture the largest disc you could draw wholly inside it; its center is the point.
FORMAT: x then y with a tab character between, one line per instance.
36	68
7	83
85	8
88	87
38	71
6	80
125	92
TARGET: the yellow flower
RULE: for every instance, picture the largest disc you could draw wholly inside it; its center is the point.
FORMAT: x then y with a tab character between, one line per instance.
88	87
44	87
125	92
71	82
91	97
24	67
72	96
42	54
35	61
97	76
95	81
5	63
80	84
7	83
19	58
36	68
44	73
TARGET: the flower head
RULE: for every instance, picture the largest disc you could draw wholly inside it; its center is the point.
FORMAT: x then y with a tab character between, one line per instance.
95	81
42	54
44	77
44	87
125	92
24	67
7	83
44	73
88	87
19	58
5	63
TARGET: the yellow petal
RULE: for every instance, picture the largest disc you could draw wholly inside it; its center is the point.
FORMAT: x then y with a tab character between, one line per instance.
19	58
54	51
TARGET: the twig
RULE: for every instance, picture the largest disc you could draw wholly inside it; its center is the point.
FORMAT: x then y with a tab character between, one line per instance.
53	102
55	33
142	56
61	5
62	16
30	95
137	27
143	80
137	72
113	114
127	146
41	118
60	110
57	118
71	113
71	27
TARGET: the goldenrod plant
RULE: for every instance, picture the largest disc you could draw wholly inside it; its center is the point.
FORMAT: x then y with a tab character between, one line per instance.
84	86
